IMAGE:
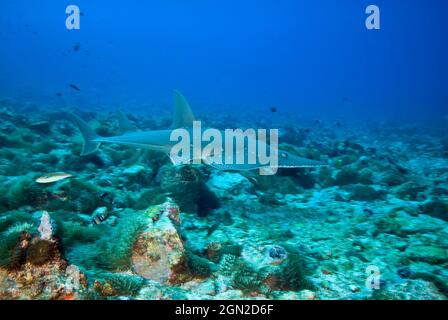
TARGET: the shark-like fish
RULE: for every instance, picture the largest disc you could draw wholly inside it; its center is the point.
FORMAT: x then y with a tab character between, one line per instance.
160	140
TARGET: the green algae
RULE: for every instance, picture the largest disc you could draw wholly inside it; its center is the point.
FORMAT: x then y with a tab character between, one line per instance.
199	266
347	176
123	284
11	254
22	191
72	233
245	277
11	218
293	272
113	251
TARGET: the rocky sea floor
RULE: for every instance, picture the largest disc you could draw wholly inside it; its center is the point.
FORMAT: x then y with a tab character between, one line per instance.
137	227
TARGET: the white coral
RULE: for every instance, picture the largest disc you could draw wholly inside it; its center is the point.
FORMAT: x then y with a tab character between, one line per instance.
45	228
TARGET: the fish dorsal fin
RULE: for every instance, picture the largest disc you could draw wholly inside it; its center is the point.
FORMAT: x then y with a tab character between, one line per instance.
183	116
124	123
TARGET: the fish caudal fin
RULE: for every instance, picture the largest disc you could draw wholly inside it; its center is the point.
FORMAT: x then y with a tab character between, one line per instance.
183	116
88	134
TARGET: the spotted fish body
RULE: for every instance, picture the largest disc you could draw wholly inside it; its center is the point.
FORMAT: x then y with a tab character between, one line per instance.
159	140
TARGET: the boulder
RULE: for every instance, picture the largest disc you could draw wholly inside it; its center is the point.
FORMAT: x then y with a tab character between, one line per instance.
228	185
427	253
158	252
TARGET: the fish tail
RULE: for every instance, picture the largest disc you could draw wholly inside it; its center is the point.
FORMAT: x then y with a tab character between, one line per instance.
88	134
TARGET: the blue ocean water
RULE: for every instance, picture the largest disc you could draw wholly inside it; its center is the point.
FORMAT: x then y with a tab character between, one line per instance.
310	58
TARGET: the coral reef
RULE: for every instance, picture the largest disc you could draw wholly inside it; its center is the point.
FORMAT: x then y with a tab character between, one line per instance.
130	225
33	268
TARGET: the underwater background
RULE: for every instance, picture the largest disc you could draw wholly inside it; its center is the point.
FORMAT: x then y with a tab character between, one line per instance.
124	223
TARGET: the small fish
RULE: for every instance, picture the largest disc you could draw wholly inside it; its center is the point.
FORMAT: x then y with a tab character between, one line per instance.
76	47
53	177
338	124
59	94
100	215
74	87
273	109
317	121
